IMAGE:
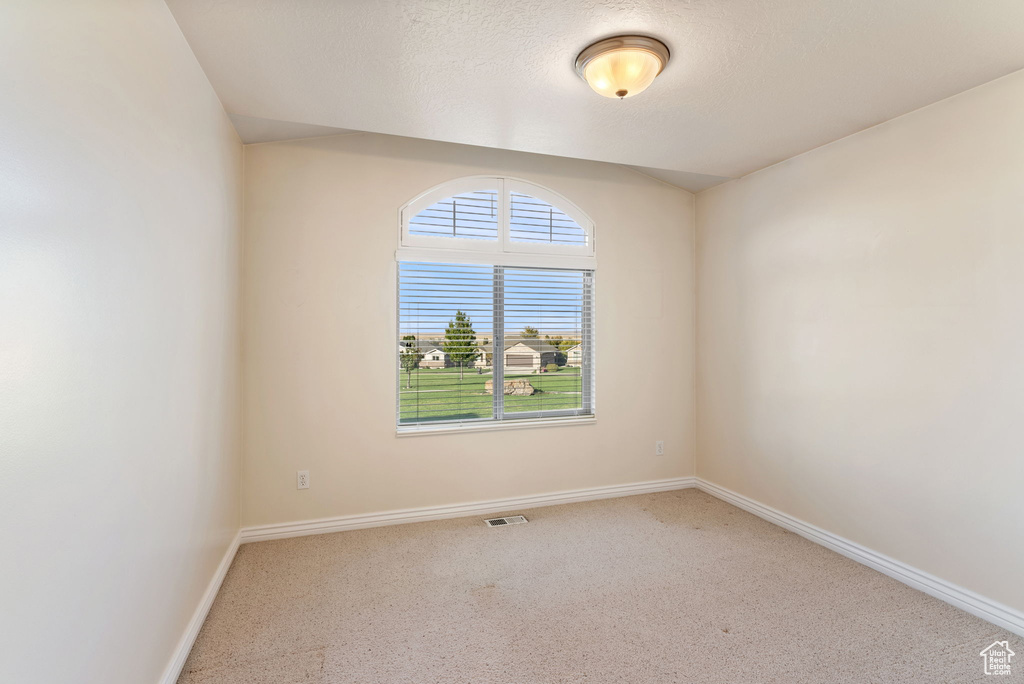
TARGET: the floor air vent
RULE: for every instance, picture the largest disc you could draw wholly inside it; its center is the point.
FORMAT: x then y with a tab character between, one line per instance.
510	520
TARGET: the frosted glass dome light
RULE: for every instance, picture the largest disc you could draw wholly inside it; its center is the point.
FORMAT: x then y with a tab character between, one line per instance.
622	66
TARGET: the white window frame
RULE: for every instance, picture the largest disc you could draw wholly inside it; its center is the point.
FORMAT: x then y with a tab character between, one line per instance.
503	252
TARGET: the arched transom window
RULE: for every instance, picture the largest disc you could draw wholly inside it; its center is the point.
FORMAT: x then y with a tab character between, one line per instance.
495	307
497	215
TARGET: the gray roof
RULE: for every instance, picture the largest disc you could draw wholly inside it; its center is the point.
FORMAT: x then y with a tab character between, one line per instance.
536	344
532	342
423	345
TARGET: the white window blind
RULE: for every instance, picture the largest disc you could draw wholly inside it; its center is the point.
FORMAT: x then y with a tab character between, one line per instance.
482	343
534	220
472	215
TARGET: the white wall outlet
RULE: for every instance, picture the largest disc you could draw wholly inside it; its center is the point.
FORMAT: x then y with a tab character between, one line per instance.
302	479
659	448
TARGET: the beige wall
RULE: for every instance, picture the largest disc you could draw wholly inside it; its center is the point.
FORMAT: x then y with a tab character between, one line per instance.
861	338
120	187
321	234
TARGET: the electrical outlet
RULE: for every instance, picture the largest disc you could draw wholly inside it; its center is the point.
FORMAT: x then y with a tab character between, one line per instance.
302	479
659	448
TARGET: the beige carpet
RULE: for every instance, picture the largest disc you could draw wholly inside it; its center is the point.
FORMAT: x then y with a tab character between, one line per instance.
671	587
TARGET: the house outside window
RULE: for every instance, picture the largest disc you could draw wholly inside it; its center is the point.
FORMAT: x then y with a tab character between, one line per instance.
496	280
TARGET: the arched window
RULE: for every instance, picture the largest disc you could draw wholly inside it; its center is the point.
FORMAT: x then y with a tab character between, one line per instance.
495	307
491	215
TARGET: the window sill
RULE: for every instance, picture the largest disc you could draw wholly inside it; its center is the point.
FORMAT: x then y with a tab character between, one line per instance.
493	426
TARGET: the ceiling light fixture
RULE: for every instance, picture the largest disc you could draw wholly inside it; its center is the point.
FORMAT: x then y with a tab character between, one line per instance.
622	66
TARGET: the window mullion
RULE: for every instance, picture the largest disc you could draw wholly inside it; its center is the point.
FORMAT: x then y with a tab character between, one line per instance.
498	345
504	215
587	347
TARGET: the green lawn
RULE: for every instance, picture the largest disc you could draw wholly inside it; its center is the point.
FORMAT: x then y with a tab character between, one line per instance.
440	395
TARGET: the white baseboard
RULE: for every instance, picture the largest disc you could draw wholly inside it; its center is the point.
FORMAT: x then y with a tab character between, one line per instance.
173	669
965	599
410	515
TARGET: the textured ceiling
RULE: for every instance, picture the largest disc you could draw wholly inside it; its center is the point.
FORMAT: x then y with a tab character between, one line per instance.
750	83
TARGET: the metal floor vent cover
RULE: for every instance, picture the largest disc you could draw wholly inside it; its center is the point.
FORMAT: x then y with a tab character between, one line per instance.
510	520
